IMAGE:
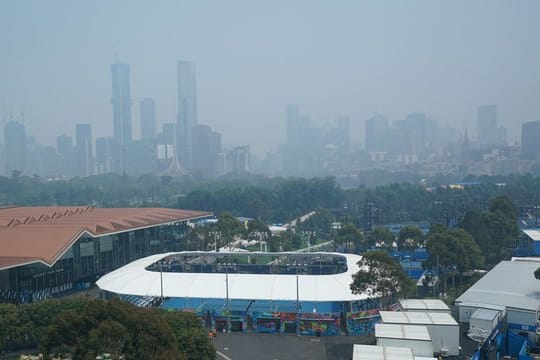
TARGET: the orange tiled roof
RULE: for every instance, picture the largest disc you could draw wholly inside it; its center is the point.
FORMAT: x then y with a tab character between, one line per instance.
34	234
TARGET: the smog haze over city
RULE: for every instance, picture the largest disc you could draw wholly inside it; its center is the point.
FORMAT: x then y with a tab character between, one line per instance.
334	59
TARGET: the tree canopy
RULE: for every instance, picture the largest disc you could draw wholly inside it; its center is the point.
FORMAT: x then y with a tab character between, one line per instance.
86	328
380	275
453	248
380	236
495	231
410	237
349	236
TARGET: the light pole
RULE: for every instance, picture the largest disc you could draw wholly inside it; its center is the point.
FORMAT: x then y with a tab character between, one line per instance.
161	277
308	234
227	301
297	306
227	294
216	235
298	267
261	235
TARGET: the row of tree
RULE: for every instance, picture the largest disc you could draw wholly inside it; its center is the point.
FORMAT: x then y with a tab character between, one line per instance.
86	328
276	199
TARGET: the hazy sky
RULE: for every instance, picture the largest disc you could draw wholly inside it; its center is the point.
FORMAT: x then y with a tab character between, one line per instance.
333	58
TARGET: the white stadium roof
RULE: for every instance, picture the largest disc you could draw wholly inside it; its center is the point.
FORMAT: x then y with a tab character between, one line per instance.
134	279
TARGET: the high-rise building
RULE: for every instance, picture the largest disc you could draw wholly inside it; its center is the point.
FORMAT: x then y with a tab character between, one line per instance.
487	125
48	161
530	146
206	147
187	110
15	147
104	155
121	103
66	160
298	155
343	138
376	133
235	161
84	149
141	157
148	118
168	134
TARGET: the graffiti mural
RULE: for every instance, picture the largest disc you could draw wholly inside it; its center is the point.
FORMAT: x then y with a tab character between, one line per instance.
363	322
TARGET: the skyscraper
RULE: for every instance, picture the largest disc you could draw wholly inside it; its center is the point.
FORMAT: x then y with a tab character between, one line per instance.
121	103
298	155
64	148
206	147
376	134
487	125
148	118
187	111
15	142
104	146
84	149
530	146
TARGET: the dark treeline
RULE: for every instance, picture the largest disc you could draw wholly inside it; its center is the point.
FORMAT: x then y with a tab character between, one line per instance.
86	328
278	199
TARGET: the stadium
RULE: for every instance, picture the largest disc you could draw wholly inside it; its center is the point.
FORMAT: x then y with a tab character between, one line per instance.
303	293
54	250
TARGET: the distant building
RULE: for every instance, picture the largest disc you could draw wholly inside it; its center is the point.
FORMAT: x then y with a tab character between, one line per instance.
48	162
187	110
206	147
148	118
376	134
15	142
84	149
297	156
104	154
66	160
530	144
487	125
411	137
235	161
343	136
121	102
141	158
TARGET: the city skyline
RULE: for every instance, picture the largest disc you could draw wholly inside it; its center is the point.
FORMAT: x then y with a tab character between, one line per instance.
339	59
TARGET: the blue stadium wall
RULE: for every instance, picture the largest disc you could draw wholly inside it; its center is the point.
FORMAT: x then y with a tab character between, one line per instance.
267	316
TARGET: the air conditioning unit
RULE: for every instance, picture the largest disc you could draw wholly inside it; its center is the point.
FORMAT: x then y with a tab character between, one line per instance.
444	352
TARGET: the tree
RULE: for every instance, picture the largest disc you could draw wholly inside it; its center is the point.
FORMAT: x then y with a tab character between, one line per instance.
192	339
410	237
380	236
537	274
349	235
454	248
289	240
380	274
229	226
321	222
473	222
